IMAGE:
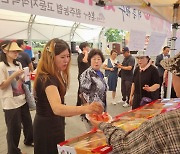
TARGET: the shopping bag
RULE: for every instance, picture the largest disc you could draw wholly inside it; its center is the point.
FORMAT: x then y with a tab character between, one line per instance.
29	97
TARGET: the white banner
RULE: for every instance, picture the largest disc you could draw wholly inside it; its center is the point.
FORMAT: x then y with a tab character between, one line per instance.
137	40
155	44
85	11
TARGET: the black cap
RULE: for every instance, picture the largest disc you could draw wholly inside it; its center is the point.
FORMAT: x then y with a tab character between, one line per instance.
125	49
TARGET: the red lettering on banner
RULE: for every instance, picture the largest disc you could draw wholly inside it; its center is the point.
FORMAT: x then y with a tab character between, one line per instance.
83	1
109	7
91	2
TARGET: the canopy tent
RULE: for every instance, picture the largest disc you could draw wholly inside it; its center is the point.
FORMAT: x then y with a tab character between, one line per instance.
75	11
162	8
14	25
165	9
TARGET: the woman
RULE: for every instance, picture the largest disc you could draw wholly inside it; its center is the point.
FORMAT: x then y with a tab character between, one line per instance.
111	72
145	82
52	80
157	135
12	97
92	84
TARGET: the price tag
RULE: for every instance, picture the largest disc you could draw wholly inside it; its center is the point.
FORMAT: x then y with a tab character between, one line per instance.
66	150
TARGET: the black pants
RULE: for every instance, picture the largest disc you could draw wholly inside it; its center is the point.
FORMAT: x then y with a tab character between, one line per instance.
13	119
27	125
48	132
79	101
160	82
125	89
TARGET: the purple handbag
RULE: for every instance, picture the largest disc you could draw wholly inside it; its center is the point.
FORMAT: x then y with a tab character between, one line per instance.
145	100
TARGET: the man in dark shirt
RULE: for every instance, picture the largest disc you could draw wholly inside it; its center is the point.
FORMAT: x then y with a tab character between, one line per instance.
82	65
126	75
159	58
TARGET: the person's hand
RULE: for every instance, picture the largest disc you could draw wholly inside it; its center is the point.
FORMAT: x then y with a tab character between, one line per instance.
18	73
147	88
94	122
111	69
119	65
94	108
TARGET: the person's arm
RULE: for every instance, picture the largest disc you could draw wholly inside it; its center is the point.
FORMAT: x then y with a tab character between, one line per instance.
105	66
64	110
131	94
9	79
31	67
130	66
29	62
158	60
127	68
165	76
152	88
155	81
115	136
85	59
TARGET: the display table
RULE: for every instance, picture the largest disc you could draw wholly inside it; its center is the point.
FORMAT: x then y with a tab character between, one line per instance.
95	141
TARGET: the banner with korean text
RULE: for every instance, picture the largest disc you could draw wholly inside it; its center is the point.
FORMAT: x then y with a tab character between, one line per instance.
85	11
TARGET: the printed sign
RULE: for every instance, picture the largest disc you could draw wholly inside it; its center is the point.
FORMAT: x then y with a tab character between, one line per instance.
137	40
66	150
155	44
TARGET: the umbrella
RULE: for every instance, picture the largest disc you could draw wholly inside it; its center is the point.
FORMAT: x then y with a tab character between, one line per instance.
165	9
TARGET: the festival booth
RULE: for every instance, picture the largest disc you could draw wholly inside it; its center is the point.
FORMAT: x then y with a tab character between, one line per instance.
95	141
120	17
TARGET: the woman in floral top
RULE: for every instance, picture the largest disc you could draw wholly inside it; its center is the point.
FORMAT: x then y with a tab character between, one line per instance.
92	84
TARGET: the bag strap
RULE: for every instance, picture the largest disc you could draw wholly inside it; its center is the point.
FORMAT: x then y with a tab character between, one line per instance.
109	62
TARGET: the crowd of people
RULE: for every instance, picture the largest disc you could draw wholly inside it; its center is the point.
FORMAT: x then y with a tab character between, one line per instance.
140	84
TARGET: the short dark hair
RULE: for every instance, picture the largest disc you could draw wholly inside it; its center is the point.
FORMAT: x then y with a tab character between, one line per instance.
4	43
113	50
94	52
166	48
20	42
83	45
125	49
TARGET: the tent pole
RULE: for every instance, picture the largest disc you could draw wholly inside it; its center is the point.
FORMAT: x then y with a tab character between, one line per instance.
29	30
173	41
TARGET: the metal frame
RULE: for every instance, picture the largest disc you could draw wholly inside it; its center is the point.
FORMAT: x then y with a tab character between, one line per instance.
73	29
29	30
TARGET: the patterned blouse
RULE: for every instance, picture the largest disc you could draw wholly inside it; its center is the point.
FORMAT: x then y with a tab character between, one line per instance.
159	135
93	86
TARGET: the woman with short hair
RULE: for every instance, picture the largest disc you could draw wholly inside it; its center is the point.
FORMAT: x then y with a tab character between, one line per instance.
92	84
